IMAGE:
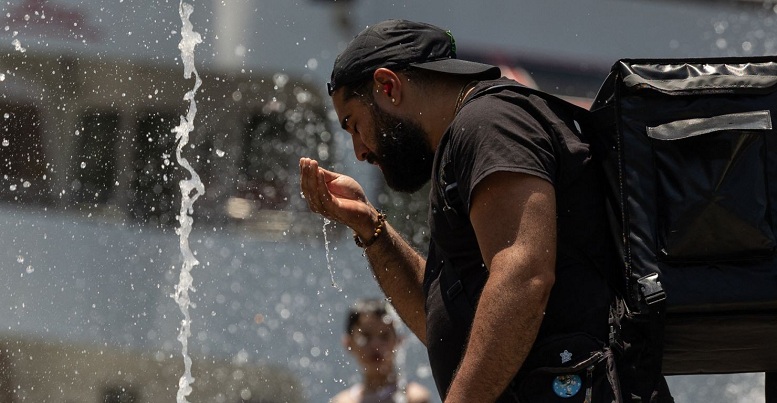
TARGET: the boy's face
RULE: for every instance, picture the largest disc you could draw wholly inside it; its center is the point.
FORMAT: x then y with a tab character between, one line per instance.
372	341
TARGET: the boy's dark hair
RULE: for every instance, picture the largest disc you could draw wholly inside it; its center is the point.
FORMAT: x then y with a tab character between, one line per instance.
371	306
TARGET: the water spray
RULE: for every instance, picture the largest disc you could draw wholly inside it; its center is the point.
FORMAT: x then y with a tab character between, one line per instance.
191	190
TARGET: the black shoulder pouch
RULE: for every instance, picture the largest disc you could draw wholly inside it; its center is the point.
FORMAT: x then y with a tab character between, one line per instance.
569	368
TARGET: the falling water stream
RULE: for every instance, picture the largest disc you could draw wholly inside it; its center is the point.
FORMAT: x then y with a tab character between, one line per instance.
329	257
191	189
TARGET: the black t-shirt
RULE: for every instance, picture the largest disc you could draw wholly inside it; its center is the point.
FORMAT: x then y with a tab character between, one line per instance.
499	129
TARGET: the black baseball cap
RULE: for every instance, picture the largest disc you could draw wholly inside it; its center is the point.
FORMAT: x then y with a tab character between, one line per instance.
398	44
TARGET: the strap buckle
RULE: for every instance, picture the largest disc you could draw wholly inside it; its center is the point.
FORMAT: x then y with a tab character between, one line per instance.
651	289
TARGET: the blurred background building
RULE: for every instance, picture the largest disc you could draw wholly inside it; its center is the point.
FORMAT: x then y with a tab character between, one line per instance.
89	94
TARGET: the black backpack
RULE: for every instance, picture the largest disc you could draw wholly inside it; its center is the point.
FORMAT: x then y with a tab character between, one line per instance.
690	152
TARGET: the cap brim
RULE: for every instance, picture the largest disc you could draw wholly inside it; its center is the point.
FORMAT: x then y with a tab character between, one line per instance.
461	67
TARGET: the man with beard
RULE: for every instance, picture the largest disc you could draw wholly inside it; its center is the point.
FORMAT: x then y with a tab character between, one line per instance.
511	283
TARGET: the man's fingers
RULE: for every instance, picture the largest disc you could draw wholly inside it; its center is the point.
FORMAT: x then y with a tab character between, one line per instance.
313	184
309	183
325	196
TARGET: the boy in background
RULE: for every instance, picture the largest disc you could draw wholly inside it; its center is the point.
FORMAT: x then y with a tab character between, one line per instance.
371	337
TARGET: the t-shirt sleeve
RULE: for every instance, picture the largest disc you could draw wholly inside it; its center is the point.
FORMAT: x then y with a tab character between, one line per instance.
490	135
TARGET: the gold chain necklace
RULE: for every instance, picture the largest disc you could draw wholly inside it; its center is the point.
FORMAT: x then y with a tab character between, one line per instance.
462	94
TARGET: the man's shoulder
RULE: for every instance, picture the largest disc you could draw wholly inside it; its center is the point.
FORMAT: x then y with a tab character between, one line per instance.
494	98
497	105
499	86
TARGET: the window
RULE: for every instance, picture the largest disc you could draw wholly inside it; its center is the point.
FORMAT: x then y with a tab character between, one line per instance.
155	187
264	167
22	162
119	394
95	170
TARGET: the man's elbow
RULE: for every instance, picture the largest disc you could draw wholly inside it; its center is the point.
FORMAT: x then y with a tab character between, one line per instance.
541	284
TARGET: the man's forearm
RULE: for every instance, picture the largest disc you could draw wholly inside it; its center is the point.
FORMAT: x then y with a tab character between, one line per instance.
399	270
503	332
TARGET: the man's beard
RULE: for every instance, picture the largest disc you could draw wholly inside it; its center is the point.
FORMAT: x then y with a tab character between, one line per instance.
402	152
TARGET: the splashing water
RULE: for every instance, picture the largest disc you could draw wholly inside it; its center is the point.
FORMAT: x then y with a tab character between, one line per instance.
18	46
191	189
328	257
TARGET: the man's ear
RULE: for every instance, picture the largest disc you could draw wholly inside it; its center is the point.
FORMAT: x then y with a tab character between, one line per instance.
387	85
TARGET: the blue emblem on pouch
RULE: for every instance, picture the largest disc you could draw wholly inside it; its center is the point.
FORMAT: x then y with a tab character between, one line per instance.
567	385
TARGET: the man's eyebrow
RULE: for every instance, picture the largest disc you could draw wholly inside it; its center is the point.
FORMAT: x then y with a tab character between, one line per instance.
344	123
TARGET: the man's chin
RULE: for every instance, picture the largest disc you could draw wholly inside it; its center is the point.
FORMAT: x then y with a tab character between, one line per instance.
405	186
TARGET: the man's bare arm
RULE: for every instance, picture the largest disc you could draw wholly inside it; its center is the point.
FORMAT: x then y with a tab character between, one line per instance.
514	220
399	270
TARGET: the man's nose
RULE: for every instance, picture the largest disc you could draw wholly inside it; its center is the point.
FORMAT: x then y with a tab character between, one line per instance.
359	148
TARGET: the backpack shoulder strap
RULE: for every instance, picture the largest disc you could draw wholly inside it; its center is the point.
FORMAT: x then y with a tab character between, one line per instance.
578	112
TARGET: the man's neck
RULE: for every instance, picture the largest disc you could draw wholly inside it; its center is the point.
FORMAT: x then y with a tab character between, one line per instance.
444	107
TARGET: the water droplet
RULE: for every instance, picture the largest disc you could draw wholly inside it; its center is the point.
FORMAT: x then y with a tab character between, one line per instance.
18	46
